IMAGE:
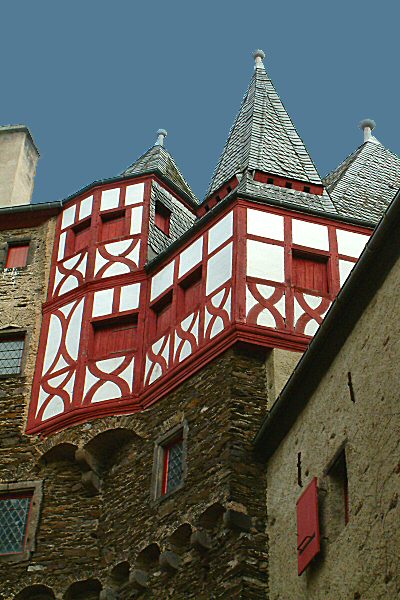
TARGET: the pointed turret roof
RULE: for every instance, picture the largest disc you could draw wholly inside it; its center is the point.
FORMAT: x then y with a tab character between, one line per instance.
158	159
263	137
364	184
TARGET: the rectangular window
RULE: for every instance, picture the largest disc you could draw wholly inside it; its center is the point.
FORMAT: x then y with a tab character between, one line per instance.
162	314
172	465
162	217
11	350
310	272
78	237
114	225
14	513
338	496
17	256
118	336
308	536
190	293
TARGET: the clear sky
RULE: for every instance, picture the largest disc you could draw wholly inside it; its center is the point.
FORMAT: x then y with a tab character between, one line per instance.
94	80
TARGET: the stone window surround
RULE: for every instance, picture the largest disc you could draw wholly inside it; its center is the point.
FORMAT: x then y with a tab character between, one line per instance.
14	242
163	440
36	487
16	332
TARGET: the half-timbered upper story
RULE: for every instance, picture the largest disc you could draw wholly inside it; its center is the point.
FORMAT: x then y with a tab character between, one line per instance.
147	285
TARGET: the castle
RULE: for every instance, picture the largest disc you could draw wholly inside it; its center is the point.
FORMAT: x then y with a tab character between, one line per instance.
166	409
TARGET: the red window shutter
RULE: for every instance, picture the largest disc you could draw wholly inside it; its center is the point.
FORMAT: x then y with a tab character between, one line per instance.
163	318
189	296
162	217
310	272
17	256
82	238
114	338
308	536
113	226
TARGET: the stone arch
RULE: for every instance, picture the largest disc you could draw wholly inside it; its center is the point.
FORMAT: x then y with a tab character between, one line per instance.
59	452
147	558
86	589
212	516
105	445
119	574
35	592
179	540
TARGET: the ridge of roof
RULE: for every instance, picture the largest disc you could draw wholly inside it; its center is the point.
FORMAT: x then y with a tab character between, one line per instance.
263	137
157	158
364	184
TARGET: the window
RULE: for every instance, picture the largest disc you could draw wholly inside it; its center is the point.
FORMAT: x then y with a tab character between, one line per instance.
338	496
162	217
117	336
14	513
11	350
310	271
78	237
288	185
114	225
307	189
172	465
17	256
270	181
189	295
162	314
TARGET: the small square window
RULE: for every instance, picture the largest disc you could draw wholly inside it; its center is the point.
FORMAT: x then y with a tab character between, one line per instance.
307	189
114	337
11	351
17	256
14	513
310	271
270	181
78	237
114	225
288	185
162	217
172	465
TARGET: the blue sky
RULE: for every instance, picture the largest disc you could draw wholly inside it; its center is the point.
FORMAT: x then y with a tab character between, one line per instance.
94	80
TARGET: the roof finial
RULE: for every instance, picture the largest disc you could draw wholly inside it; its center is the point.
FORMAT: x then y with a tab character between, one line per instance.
367	125
259	56
161	133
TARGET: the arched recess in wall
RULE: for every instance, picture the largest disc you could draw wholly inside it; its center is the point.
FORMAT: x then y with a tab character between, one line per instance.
179	540
211	518
147	559
119	574
105	446
35	592
59	452
87	589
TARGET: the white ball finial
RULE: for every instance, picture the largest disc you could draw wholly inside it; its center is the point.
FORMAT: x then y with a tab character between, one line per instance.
367	125
161	135
259	56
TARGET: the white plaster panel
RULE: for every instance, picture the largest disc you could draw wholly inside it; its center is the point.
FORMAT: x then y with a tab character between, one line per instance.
66	309
186	349
349	243
266	319
345	268
311	328
220	232
108	391
250	301
310	234
128	374
99	262
69	284
116	268
312	301
60	364
85	209
53	342
298	311
281	306
266	261
136	219
191	257
110	364
219	268
69	386
54	407
102	302
129	298
135	254
217	327
265	224
117	248
134	193
109	199
61	245
68	217
72	262
58	380
82	266
90	380
162	281
73	335
156	373
42	398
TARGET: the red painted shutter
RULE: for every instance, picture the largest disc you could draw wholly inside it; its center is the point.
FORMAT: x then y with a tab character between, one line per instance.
82	238
114	338
17	256
162	217
113	226
308	536
163	318
310	273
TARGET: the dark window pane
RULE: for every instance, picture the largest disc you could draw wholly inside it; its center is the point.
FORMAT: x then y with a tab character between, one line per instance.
174	473
13	520
11	350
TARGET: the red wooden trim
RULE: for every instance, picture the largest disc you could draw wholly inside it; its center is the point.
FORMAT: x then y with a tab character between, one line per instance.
308	534
239	265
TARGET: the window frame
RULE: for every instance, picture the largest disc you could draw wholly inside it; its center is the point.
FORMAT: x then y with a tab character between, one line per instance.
163	442
16	242
34	489
165	226
16	334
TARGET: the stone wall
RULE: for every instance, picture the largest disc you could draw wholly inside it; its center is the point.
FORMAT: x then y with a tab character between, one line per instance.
356	406
205	540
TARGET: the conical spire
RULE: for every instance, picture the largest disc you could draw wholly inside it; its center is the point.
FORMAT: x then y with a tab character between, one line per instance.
263	137
158	159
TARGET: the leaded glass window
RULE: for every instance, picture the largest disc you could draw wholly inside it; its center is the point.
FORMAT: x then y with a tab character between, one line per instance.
14	513
11	349
173	459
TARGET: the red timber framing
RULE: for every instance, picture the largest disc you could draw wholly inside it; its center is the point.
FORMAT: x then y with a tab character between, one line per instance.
234	281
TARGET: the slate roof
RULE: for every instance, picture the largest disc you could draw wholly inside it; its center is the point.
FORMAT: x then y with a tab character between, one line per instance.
263	137
159	159
364	184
